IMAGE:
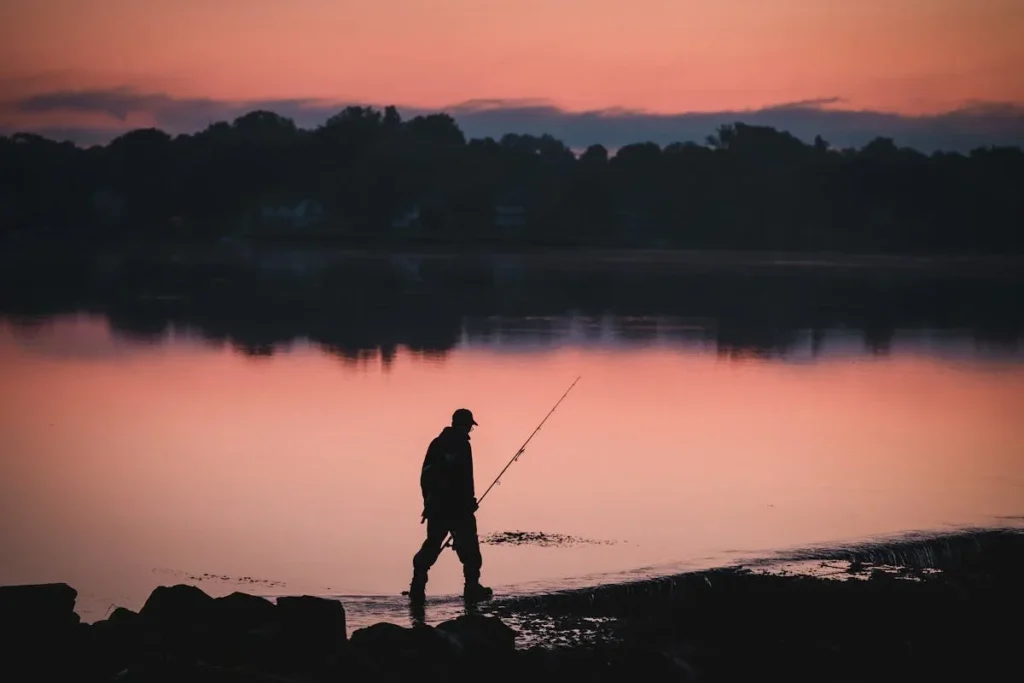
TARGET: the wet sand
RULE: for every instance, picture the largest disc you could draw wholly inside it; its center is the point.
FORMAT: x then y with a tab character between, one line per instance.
923	608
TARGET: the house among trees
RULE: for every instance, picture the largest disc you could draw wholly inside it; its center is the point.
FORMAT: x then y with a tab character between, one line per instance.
510	211
509	216
406	219
304	214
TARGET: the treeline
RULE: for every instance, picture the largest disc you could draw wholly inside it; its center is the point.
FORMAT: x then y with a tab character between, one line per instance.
368	176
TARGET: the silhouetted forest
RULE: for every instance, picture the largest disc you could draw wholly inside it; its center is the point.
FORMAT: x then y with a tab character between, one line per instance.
359	307
368	177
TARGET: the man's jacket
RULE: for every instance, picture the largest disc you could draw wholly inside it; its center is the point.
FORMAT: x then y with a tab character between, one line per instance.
446	479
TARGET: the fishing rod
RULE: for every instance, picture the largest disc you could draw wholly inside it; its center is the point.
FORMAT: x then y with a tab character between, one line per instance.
515	457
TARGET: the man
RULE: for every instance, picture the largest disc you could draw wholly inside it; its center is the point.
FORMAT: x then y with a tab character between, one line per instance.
449	506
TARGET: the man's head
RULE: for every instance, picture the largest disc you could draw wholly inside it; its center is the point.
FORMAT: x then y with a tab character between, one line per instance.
463	419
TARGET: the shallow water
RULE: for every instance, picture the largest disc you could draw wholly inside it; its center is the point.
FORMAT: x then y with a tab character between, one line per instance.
128	463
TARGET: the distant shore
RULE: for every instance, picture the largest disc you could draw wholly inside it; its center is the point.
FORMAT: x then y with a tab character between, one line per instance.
576	255
353	300
944	607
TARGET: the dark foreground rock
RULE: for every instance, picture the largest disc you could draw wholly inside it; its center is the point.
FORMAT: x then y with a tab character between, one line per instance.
961	624
183	634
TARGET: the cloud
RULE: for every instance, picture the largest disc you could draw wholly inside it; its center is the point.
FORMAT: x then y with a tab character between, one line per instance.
115	102
806	104
974	125
179	115
963	129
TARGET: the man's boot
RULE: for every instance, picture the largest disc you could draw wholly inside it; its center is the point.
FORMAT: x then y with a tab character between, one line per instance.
474	592
418	588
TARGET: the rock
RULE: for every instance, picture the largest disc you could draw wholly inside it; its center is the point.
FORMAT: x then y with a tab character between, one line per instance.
627	663
155	670
384	640
235	632
475	634
42	633
453	651
117	640
538	663
123	615
313	629
181	633
177	620
181	605
208	673
396	652
244	612
323	617
45	604
608	663
246	632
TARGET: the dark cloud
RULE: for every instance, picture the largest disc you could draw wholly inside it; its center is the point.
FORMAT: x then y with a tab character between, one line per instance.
962	129
974	125
178	115
115	102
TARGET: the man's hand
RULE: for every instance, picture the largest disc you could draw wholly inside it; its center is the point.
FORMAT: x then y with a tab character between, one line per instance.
475	506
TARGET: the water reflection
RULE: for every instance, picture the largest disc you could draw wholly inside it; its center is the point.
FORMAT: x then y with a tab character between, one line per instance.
90	336
262	302
234	426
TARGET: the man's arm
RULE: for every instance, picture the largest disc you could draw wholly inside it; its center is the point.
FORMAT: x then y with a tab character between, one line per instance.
429	473
468	483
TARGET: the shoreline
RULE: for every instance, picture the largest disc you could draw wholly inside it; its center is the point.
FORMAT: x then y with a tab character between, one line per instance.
575	255
936	606
933	558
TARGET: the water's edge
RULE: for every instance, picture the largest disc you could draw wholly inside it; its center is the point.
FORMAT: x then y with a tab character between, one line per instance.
907	555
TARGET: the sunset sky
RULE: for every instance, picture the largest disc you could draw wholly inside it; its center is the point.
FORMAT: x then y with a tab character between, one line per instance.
89	65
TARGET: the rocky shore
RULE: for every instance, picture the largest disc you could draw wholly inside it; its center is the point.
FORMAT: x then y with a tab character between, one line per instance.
945	608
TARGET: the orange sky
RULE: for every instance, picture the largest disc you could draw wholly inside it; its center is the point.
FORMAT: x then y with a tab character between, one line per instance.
909	56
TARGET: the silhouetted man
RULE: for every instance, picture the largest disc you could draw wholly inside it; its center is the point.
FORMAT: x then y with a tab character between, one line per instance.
449	506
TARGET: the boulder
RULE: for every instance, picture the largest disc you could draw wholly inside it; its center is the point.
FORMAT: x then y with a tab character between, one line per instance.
181	633
393	652
628	663
244	612
477	635
177	621
178	606
605	663
237	632
123	615
117	641
46	605
313	632
155	670
321	618
41	631
245	632
387	640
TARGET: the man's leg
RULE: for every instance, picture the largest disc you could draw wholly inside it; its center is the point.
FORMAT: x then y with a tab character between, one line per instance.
467	547
426	557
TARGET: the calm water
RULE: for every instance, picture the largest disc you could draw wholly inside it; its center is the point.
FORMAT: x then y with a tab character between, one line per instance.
130	460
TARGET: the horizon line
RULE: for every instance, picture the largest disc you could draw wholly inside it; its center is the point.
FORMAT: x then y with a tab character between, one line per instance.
90	117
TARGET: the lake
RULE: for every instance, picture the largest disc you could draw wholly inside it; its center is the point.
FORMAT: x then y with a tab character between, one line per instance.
259	424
